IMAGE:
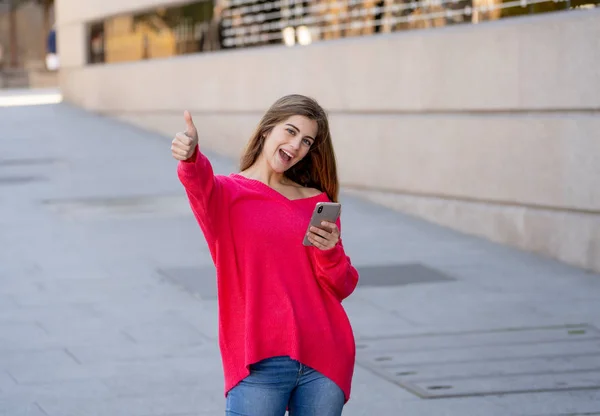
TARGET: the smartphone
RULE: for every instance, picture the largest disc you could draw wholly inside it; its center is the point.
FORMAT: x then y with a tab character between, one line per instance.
324	211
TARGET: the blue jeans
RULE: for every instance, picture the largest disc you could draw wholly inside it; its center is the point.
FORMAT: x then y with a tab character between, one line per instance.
278	383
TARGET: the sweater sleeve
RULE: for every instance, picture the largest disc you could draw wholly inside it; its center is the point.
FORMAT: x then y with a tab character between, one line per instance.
204	191
335	270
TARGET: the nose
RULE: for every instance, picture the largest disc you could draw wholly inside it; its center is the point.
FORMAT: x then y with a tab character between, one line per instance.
296	143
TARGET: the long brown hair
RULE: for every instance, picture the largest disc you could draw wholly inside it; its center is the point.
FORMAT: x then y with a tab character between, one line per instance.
318	168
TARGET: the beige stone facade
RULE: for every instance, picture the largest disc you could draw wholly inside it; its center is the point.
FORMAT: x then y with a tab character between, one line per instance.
491	129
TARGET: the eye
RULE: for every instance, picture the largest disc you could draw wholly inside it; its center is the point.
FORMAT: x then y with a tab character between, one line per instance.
307	142
291	131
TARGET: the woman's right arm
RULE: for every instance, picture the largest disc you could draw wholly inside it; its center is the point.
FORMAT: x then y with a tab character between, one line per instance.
195	172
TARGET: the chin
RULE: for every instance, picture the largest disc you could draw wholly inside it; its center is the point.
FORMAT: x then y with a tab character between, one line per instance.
280	169
291	166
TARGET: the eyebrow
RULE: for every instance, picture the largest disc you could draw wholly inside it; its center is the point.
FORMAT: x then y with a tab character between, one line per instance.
297	129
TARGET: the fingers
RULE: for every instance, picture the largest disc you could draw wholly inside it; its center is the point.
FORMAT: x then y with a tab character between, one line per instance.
189	123
317	238
324	239
182	147
329	230
184	143
318	244
183	139
179	157
333	228
321	232
176	144
179	152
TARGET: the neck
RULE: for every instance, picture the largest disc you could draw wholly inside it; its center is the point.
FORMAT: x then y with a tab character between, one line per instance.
261	171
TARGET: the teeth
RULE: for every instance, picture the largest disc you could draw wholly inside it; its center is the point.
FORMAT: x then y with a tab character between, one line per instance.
286	153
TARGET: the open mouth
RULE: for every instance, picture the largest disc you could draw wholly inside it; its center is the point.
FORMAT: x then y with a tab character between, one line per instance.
285	155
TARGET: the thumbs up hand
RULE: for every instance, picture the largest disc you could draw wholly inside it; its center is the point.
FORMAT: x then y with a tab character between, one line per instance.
184	143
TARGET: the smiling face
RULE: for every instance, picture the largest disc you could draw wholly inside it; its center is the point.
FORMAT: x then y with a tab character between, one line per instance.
293	138
288	142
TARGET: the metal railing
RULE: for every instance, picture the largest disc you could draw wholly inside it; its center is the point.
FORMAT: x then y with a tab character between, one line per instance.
203	26
250	23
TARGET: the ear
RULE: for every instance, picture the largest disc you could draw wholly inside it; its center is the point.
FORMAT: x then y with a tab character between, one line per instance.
267	132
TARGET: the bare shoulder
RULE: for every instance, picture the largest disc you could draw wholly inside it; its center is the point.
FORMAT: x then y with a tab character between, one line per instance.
303	191
310	192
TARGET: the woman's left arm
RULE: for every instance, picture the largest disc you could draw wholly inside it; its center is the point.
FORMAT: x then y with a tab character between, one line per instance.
334	268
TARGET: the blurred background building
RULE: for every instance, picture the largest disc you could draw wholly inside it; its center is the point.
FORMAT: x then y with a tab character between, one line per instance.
25	31
480	115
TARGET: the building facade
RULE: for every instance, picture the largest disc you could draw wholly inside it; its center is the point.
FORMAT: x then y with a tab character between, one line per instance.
23	52
461	113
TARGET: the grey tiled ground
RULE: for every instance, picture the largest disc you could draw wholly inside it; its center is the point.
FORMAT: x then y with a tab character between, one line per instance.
92	215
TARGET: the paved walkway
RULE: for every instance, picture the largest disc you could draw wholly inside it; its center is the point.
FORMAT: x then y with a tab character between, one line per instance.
107	299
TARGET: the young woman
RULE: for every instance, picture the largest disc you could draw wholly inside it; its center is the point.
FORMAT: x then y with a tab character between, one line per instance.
285	339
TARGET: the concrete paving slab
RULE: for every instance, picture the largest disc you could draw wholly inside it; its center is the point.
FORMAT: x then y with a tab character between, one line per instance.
68	390
80	264
576	403
20	408
147	405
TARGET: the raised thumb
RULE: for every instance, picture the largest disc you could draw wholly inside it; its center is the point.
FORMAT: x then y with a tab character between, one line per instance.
191	129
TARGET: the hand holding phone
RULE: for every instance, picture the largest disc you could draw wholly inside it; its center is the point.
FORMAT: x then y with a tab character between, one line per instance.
322	231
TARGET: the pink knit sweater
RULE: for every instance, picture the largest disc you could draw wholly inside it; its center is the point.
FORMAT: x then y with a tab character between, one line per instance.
276	296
